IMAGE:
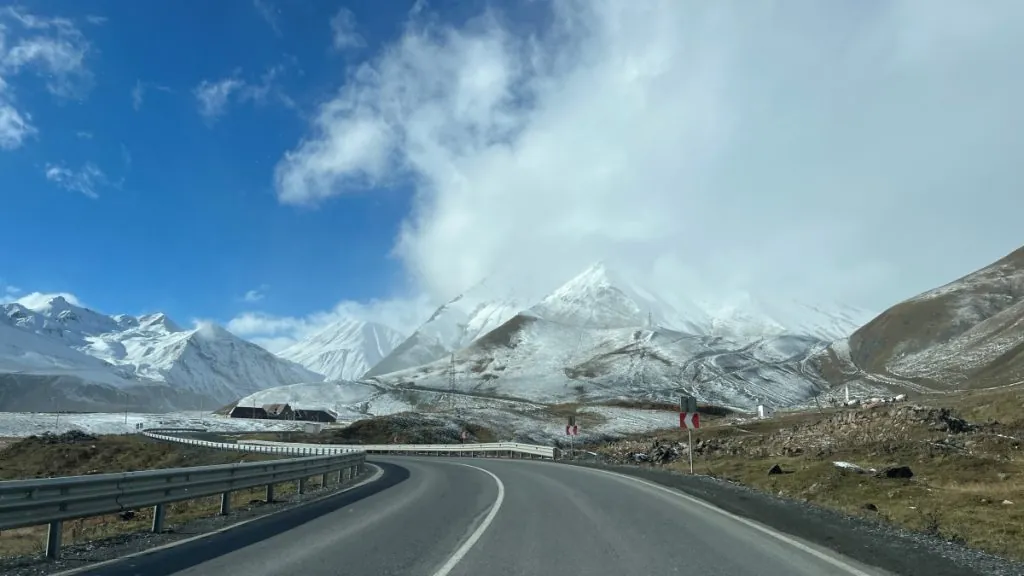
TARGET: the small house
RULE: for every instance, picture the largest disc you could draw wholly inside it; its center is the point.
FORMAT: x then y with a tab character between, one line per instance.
764	411
248	412
325	416
278	411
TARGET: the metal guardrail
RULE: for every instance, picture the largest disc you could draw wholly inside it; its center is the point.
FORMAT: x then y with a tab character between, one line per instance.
510	449
51	501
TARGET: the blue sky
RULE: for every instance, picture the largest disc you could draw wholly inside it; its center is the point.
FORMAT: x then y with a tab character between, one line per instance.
373	159
184	218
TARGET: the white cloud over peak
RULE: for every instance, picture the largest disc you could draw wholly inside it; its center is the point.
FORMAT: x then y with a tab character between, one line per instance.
794	149
276	333
52	48
35	300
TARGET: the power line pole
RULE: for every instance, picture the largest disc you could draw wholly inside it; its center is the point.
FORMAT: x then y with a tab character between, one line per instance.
451	383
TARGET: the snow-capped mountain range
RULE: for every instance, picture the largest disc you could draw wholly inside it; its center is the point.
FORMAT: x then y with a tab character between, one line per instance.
149	361
600	334
344	350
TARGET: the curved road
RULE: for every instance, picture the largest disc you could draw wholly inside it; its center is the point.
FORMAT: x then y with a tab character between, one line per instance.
473	517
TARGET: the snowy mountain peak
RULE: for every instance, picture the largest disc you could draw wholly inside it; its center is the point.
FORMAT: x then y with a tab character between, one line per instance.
344	350
600	297
155	321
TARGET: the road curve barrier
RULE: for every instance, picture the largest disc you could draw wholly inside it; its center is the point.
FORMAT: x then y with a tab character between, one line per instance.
51	501
494	449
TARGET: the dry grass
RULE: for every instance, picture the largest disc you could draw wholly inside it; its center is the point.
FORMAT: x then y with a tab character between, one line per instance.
958	489
41	458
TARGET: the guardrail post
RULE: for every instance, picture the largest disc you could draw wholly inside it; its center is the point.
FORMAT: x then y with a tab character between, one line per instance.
302	485
158	518
225	503
270	493
53	539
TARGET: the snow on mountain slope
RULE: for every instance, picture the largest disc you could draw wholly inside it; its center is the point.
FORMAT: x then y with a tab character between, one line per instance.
345	350
968	333
207	365
601	298
535	359
751	318
452	326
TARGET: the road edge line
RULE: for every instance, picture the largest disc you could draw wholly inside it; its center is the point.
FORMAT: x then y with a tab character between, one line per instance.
767	530
72	571
466	546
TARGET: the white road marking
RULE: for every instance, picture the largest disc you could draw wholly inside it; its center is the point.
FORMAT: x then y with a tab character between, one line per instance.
852	570
468	544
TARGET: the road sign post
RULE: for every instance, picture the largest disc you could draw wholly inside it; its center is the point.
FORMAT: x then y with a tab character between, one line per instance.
690	421
571	429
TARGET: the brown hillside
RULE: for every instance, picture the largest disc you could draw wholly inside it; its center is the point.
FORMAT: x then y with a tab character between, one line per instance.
969	332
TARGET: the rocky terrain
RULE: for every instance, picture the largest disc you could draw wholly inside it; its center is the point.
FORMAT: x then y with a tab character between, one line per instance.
950	466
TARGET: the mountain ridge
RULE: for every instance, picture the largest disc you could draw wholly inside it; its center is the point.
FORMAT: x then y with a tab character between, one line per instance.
56	338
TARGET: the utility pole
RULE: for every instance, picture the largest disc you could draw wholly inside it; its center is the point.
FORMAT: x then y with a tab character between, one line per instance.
451	383
125	408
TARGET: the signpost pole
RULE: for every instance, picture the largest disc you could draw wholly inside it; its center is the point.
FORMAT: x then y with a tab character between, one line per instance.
689	437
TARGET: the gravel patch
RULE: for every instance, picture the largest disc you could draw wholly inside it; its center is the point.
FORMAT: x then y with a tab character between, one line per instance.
86	553
873	543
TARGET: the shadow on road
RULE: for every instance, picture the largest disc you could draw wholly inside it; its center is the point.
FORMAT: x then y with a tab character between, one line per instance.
181	557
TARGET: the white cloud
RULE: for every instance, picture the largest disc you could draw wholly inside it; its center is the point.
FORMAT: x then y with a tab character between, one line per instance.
54	49
255	295
87	180
15	126
343	30
269	14
84	134
215	96
278	332
139	90
795	149
9	293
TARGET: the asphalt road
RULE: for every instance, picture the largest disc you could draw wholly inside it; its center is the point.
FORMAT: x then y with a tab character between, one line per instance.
472	517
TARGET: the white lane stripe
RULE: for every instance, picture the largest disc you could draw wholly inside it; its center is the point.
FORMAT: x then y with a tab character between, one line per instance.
852	570
468	544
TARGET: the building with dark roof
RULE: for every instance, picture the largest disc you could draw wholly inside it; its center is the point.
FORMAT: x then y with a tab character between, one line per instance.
248	412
